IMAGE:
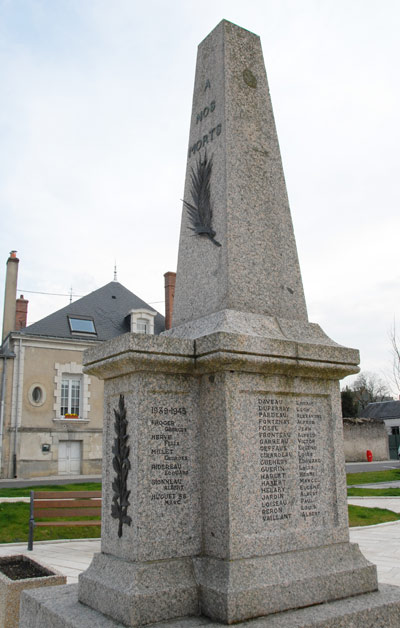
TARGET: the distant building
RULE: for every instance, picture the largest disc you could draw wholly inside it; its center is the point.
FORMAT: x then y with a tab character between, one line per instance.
389	413
362	435
51	413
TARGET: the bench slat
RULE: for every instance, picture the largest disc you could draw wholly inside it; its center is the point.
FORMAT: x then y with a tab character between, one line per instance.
68	523
61	504
69	512
66	503
64	494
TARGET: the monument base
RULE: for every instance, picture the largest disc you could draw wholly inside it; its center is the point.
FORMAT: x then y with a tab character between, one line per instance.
233	591
59	607
138	594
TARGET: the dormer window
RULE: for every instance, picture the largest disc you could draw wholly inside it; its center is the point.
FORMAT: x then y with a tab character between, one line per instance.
142	321
81	325
142	326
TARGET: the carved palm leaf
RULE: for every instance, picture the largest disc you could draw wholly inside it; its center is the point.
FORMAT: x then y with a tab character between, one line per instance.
121	465
200	210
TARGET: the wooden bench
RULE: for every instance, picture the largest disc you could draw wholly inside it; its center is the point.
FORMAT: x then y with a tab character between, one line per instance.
55	504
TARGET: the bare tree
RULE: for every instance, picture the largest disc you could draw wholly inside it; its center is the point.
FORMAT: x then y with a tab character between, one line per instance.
395	344
368	388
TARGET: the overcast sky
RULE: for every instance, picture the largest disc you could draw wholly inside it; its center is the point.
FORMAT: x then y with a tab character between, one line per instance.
95	101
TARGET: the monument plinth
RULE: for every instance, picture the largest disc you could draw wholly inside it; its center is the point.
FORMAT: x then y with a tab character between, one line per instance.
223	468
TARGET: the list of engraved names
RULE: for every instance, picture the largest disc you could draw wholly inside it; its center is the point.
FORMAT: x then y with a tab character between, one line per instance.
168	455
274	434
282	419
309	451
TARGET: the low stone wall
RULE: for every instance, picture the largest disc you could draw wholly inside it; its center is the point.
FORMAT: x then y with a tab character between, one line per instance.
362	434
37	468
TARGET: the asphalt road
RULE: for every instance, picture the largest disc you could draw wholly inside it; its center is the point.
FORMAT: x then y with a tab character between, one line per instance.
71	479
360	467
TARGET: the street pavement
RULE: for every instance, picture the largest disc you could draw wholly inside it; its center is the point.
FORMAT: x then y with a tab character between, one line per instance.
394	484
380	544
68	557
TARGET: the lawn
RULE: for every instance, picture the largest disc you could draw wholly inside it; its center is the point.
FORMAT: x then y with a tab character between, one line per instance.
14	517
14	526
26	491
361	516
373	492
370	477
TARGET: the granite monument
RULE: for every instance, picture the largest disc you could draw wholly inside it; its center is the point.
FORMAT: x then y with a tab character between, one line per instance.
223	471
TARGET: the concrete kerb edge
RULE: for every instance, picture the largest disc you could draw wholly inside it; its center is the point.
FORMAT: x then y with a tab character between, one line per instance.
38	543
375	525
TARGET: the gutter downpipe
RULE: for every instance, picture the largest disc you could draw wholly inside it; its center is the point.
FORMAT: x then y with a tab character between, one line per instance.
14	458
2	397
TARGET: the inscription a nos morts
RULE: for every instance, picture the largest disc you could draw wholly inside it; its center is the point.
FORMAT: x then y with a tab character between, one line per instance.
206	139
204	112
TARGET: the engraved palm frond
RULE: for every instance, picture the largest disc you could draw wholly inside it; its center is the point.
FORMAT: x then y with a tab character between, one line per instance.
200	210
121	465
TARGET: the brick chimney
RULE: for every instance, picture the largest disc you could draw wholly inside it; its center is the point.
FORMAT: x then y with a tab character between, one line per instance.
21	313
169	286
10	294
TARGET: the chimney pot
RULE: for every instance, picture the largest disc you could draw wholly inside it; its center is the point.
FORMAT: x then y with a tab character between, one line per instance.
21	313
9	312
169	286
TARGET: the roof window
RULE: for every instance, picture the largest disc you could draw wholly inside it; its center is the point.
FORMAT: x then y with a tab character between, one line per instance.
81	325
142	321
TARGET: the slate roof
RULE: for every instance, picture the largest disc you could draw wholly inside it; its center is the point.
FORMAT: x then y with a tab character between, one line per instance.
382	410
108	307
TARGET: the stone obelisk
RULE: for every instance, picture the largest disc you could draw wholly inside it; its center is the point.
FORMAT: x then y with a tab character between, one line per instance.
224	493
250	265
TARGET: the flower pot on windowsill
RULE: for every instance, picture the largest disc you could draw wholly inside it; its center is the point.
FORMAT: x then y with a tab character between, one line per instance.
16	574
71	416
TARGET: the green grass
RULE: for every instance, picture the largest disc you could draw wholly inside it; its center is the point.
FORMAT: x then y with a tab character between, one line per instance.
370	477
361	516
14	526
373	492
14	523
26	491
14	517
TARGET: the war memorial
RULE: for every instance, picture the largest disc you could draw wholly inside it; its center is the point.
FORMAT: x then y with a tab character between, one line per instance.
224	492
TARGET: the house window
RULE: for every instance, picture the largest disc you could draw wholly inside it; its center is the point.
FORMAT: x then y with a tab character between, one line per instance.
71	392
82	325
142	321
37	395
143	326
70	395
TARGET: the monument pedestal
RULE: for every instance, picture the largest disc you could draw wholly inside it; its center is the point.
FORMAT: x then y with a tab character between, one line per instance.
237	488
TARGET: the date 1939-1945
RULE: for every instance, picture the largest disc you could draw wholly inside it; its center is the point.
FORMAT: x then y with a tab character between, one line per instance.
174	411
